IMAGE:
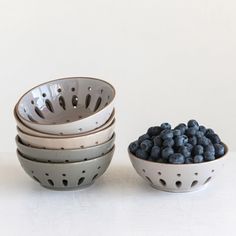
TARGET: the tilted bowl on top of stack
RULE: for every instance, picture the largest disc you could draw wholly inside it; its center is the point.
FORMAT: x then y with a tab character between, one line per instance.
66	131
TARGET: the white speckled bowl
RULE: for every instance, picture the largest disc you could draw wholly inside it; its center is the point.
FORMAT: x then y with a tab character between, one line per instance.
178	178
67	106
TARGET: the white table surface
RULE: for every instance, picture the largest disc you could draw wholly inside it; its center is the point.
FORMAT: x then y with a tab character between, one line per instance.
119	203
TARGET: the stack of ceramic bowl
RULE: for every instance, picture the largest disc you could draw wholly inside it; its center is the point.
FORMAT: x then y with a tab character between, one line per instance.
66	131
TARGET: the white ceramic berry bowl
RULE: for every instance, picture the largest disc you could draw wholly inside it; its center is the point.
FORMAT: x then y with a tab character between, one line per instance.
31	131
66	176
77	142
178	178
67	106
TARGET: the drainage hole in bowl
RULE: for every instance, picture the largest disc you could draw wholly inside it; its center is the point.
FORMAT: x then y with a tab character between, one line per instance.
97	142
87	100
101	90
99	167
74	101
144	170
85	159
39	112
59	90
31	119
63	174
196	173
44	95
179	175
106	104
95	176
162	182
98	103
80	129
81	180
148	179
159	173
46	174
36	179
208	179
67	121
212	171
82	146
66	161
50	182
83	171
32	102
49	105
178	184
62	148
194	183
62	102
65	182
72	89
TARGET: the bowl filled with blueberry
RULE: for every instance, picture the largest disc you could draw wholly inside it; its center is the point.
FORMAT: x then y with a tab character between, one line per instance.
181	159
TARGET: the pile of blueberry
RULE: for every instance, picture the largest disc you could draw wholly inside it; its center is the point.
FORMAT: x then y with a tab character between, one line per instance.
185	144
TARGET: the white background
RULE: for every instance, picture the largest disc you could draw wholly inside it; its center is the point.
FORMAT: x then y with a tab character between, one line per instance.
169	61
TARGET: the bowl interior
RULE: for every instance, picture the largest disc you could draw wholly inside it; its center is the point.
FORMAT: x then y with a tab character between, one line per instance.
65	100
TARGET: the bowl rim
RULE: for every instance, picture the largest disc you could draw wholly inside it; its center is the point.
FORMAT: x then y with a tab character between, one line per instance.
64	78
69	163
18	141
182	165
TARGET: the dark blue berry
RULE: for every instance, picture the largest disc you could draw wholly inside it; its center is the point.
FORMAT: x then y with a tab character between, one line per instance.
166	133
210	148
155	152
193	140
169	142
165	126
202	129
188	160
166	152
209	131
143	137
194	124
182	127
209	156
198	150
190	131
140	153
176	158
180	140
154	131
133	147
189	146
157	141
199	134
198	159
177	132
219	150
184	151
214	138
146	145
204	141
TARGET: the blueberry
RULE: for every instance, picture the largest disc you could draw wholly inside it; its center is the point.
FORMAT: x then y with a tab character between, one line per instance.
202	129
198	159
166	152
169	142
155	152
199	134
204	141
143	137
180	140
209	156
176	158
219	150
210	148
193	140
190	131
194	124
157	141
189	146
165	126
198	150
214	138
188	160
166	133
209	131
146	145
184	151
176	132
154	131
182	127
133	147
185	139
140	153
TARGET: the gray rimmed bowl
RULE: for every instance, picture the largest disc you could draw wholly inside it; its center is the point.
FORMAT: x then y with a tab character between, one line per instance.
68	156
66	176
178	177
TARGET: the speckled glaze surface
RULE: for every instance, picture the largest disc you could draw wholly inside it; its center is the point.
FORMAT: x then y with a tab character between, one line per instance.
84	141
67	156
67	106
30	131
178	178
66	176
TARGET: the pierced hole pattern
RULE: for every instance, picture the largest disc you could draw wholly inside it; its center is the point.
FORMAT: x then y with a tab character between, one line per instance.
65	182
149	179
81	180
178	184
62	102
50	182
194	183
162	182
207	181
39	112
98	103
49	105
87	100
31	118
95	176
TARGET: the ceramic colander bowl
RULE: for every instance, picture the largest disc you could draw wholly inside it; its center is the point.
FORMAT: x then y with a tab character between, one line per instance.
66	176
59	156
177	178
67	106
30	131
83	141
